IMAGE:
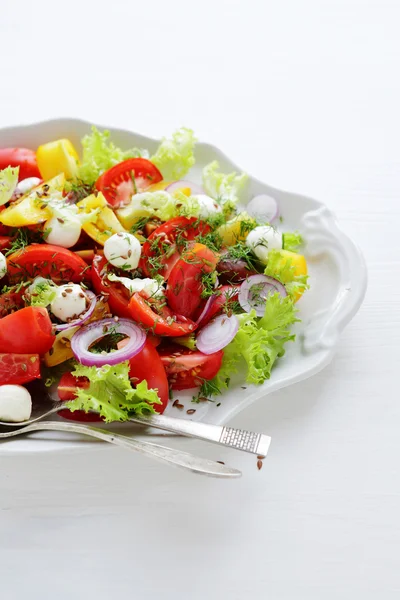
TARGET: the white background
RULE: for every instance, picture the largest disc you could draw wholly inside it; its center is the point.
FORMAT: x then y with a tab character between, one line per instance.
305	95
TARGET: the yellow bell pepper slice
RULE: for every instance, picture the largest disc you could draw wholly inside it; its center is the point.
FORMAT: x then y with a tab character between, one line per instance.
31	208
298	261
236	230
107	223
57	157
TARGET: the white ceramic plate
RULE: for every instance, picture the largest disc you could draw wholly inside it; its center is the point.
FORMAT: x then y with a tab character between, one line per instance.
338	280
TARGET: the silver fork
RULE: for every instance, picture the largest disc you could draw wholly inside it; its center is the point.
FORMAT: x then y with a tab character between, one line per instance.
171	456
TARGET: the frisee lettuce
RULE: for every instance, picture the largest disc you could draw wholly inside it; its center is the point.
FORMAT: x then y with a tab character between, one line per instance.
224	188
8	183
175	157
292	241
111	395
42	292
280	266
100	154
259	341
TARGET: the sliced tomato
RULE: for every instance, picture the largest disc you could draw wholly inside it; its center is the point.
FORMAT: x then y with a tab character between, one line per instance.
186	368
27	331
5	242
67	391
117	295
162	322
128	177
226	295
16	369
45	260
11	301
147	366
23	158
164	246
184	286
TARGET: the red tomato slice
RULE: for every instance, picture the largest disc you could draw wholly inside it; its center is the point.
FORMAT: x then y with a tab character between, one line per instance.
23	158
16	369
67	390
160	324
10	302
5	242
184	286
226	294
44	260
186	369
147	366
27	331
163	247
133	175
117	295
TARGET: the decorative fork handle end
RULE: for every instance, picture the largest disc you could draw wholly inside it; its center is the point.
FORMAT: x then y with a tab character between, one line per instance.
248	441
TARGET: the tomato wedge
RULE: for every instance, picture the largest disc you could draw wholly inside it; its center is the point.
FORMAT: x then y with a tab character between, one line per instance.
128	177
184	286
23	158
186	369
45	260
160	324
147	366
117	295
67	391
16	369
11	301
164	245
5	242
27	331
225	296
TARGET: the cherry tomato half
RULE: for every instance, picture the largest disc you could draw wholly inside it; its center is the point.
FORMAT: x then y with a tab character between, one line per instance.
128	177
11	301
184	286
117	295
160	324
45	260
16	369
27	331
67	391
164	245
186	368
23	158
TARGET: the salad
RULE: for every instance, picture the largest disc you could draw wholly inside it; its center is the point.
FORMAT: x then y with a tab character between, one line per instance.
122	280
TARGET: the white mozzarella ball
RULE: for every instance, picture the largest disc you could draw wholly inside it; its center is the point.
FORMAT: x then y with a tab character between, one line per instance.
3	265
62	232
15	403
208	206
123	250
69	303
262	239
26	185
151	286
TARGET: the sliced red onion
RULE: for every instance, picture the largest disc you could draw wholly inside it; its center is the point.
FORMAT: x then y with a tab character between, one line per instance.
84	317
263	208
182	183
206	309
87	335
255	290
217	334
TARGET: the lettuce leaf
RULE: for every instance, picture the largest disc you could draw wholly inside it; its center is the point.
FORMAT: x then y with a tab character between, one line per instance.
226	189
42	292
8	183
111	394
292	241
259	341
100	154
175	157
281	267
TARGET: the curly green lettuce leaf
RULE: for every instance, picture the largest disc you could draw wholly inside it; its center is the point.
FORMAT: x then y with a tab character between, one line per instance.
175	156
259	341
280	266
292	241
187	341
100	154
161	205
226	189
8	183
110	393
42	292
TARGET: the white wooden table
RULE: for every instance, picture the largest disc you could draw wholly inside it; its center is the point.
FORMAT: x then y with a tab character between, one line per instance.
306	95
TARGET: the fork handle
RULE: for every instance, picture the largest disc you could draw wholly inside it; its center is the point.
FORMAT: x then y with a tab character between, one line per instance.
248	441
171	456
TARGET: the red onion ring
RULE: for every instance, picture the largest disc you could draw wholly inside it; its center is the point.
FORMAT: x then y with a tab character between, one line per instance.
88	334
263	208
182	183
217	334
267	285
84	317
